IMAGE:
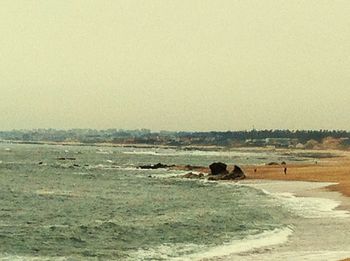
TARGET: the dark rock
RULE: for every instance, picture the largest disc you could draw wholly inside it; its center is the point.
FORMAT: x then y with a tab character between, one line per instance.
236	174
272	163
193	176
40	163
218	168
156	166
66	158
283	163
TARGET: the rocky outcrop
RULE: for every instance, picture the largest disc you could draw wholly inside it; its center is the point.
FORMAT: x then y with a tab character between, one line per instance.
236	174
156	166
218	168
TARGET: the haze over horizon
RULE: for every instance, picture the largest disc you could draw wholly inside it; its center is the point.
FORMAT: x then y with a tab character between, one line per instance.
175	65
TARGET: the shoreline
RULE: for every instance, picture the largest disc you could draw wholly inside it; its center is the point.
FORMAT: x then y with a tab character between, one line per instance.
313	238
319	215
302	184
335	170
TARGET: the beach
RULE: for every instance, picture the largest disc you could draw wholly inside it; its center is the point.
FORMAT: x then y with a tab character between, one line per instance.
88	202
335	169
319	193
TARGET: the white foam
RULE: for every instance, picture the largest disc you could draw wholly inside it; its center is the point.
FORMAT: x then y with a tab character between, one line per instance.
101	151
5	257
164	252
168	251
172	152
100	166
293	255
265	239
307	207
47	192
147	153
310	207
125	168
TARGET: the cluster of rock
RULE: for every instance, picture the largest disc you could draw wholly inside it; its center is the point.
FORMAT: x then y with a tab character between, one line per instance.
219	172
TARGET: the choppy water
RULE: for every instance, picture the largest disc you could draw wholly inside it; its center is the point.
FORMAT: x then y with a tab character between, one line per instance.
100	207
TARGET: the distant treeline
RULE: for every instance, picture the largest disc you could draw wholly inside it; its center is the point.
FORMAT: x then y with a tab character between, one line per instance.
301	135
145	136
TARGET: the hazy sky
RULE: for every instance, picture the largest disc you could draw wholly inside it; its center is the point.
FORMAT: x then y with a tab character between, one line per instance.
176	65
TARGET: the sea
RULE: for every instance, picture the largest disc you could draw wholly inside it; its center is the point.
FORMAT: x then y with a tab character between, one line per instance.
60	202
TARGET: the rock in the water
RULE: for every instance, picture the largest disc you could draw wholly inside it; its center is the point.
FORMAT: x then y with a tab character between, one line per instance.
218	168
193	176
156	166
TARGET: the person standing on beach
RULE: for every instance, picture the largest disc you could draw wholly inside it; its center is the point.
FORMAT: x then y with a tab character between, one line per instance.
285	170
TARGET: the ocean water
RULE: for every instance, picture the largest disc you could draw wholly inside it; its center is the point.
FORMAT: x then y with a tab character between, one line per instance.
101	207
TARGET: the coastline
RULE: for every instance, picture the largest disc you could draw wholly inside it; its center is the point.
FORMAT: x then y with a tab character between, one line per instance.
325	184
334	170
313	236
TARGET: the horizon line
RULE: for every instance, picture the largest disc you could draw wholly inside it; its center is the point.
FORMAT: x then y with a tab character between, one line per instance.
157	131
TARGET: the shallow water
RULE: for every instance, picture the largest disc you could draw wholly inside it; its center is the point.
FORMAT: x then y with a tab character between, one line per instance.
99	206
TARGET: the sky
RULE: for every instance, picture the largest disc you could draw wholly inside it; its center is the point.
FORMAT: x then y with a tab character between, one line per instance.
175	65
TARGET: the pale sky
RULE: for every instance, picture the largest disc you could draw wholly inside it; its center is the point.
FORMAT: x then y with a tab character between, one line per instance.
175	65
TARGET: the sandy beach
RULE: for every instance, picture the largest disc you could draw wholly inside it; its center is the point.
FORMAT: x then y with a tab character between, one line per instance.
336	170
318	192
